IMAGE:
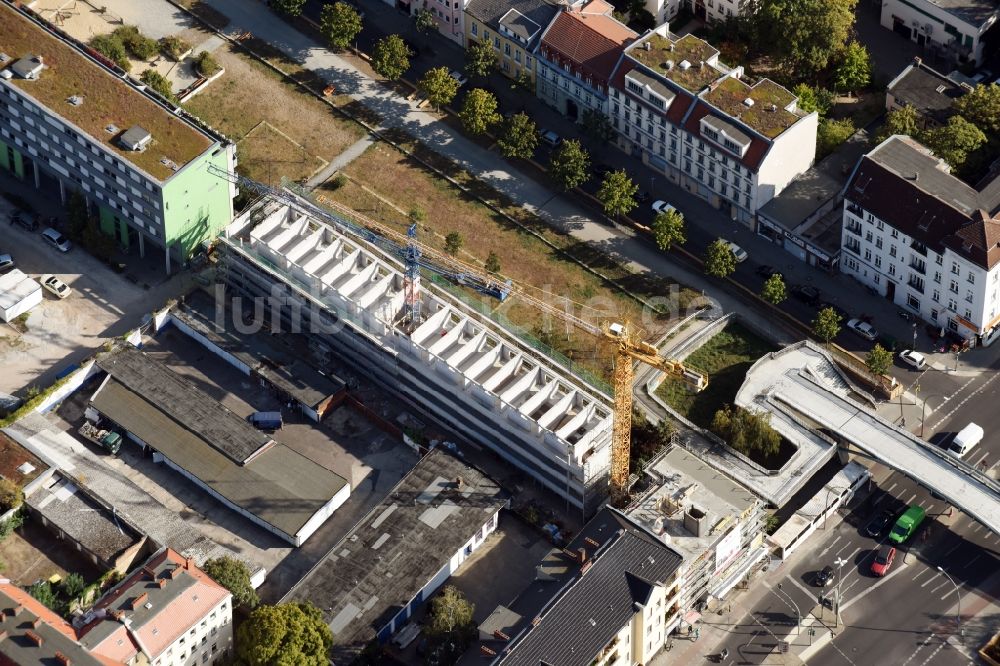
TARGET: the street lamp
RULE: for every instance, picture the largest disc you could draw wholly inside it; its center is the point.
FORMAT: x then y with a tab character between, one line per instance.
798	613
923	409
840	562
958	593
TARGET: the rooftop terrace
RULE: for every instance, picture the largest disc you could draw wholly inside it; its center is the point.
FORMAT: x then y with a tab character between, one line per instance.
767	114
667	57
107	99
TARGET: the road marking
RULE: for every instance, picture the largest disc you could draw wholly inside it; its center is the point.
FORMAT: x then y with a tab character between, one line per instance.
912	497
977	528
920	573
889	489
931	579
842	549
952	549
981	459
809	593
964	400
848	588
868	590
970	561
938	587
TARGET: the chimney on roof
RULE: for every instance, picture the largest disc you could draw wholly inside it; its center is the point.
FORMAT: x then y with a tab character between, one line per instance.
33	637
63	659
917	60
500	635
37	622
15	611
581	555
117	614
139	600
188	563
3	635
459	482
174	572
647	46
162	583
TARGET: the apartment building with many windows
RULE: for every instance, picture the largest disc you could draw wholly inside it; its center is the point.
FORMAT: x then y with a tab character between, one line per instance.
709	11
577	56
71	122
924	239
951	29
687	115
448	14
513	28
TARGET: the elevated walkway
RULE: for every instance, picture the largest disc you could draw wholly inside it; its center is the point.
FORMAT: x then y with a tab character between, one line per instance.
793	385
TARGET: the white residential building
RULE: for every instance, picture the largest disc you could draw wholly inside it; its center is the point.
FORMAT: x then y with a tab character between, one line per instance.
925	240
710	11
695	120
448	14
953	28
166	613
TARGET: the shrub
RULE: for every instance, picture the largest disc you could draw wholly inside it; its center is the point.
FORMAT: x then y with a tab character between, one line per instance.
174	47
111	48
206	64
140	46
11	495
159	83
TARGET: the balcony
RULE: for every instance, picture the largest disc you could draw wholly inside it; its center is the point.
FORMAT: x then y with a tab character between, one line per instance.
854	229
919	248
916	284
854	247
918	266
855	209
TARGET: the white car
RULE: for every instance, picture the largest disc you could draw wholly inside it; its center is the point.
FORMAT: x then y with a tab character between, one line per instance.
56	240
458	77
661	206
740	254
55	286
914	359
6	263
863	328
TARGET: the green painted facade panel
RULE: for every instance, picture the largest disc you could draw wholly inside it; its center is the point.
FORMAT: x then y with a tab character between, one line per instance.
114	226
16	164
196	204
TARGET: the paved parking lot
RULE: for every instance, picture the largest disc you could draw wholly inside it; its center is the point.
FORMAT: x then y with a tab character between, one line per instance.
60	333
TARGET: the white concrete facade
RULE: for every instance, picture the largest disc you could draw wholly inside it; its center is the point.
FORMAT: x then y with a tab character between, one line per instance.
956	31
459	367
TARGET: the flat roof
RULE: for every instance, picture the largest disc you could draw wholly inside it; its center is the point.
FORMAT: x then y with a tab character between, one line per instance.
928	91
15	286
683	481
664	56
293	376
18	463
768	113
973	12
107	99
193	411
397	548
280	486
83	518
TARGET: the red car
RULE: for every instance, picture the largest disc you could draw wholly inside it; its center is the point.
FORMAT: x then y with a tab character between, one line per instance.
883	560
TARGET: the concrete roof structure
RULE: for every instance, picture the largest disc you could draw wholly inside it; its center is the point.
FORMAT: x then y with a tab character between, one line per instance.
151	608
583	617
279	487
928	91
795	386
30	633
15	286
279	367
83	518
196	413
109	100
397	548
687	481
18	463
524	19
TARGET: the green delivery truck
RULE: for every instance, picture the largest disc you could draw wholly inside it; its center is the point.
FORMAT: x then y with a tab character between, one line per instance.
907	524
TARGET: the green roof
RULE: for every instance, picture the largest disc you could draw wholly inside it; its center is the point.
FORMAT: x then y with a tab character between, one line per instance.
664	56
107	99
766	115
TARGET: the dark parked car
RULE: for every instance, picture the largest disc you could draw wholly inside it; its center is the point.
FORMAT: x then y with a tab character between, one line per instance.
603	169
825	576
414	51
806	293
767	271
878	525
25	220
823	305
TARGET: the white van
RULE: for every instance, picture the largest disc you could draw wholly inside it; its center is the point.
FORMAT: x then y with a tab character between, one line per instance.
966	438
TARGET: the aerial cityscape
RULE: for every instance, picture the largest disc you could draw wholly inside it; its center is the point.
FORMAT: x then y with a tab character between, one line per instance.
499	332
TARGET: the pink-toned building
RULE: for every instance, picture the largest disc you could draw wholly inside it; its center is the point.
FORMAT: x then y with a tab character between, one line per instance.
449	14
167	613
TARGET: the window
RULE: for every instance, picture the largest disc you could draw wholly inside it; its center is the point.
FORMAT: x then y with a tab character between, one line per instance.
937	277
892	250
892	269
894	233
939	260
934	314
968	315
936	296
954	268
868	255
912	301
968	296
878	242
971	279
475	28
953	287
952	304
879	225
506	49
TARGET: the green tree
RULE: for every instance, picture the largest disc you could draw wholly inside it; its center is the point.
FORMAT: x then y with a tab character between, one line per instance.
668	229
773	290
288	7
519	137
233	575
137	44
903	120
826	325
954	140
424	21
449	612
981	107
878	360
855	69
391	57
438	86
42	591
523	81
746	431
111	48
339	23
492	264
480	59
570	164
597	125
813	98
11	494
807	34
831	134
72	585
453	243
207	64
720	261
76	214
479	111
159	83
292	633
617	194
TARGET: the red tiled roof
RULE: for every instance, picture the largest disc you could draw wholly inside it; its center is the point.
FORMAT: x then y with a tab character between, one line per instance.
592	42
979	240
758	146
